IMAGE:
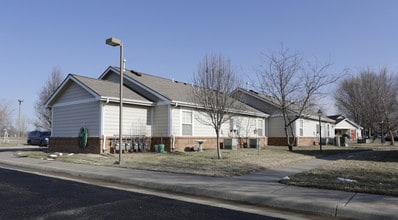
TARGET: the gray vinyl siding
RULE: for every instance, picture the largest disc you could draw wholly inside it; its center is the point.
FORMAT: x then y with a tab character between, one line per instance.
198	128
111	119
247	125
176	121
68	120
136	120
160	120
225	130
113	78
309	127
74	93
260	104
202	127
276	127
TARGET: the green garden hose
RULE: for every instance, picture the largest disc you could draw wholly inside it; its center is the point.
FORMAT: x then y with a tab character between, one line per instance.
82	139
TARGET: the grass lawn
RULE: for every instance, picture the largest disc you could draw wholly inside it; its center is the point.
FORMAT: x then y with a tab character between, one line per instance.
234	162
12	141
374	169
373	172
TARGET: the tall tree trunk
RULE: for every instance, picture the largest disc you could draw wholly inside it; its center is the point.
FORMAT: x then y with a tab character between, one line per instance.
392	137
218	144
289	144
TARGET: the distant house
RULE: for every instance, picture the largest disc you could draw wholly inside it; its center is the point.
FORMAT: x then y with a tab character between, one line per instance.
156	109
305	128
346	127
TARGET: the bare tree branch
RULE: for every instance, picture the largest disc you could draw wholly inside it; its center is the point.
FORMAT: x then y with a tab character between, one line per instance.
44	115
293	86
370	99
5	115
214	83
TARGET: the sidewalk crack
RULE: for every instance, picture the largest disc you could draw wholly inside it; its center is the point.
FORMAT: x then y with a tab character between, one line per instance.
349	200
335	211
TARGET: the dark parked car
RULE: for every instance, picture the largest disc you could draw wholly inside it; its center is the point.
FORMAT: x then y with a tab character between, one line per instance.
40	138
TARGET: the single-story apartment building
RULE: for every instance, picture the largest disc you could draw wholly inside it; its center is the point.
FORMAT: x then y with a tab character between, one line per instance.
156	111
305	128
346	127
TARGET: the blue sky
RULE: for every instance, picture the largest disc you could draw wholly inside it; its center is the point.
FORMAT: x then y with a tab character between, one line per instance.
169	38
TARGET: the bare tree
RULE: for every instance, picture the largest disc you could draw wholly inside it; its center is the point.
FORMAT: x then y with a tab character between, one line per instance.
23	125
349	99
43	114
293	85
5	115
370	99
214	82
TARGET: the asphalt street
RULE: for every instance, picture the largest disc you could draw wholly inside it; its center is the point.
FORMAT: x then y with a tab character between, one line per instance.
29	196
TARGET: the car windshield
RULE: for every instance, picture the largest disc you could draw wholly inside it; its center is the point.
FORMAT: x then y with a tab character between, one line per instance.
46	133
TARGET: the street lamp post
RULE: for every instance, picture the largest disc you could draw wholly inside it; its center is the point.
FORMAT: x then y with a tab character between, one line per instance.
116	42
19	117
320	130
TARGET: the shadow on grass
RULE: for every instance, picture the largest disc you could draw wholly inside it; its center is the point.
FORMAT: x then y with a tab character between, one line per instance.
328	152
377	156
11	149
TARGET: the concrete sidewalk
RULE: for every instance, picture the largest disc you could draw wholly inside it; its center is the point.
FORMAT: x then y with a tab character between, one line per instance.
260	188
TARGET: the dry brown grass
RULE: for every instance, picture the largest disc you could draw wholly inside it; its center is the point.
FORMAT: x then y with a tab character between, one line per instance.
234	162
12	142
373	172
238	162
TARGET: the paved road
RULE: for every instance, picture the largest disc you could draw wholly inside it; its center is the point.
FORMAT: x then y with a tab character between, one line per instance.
29	196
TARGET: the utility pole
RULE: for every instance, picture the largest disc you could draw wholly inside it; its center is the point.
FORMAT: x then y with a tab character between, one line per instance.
19	117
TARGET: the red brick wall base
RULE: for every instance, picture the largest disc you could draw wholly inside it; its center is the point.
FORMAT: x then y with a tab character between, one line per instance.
70	145
300	141
95	144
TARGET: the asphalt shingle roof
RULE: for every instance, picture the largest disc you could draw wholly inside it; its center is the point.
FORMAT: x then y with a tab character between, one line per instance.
108	89
170	89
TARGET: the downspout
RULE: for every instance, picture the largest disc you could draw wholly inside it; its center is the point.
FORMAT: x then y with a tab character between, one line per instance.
152	129
170	124
170	120
173	138
52	119
102	125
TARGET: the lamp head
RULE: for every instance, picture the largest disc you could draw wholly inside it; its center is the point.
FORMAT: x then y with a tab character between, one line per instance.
114	42
319	113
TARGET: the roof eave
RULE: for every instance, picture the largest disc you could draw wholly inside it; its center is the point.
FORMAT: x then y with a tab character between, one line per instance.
127	101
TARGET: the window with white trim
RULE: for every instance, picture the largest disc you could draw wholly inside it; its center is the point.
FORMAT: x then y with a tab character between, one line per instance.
234	126
187	123
328	129
260	127
301	127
